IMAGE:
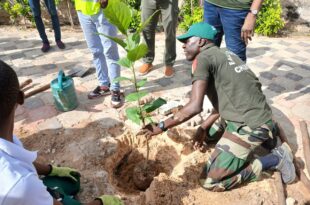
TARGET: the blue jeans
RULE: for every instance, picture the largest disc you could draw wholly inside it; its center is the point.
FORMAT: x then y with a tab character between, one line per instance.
228	22
104	50
36	11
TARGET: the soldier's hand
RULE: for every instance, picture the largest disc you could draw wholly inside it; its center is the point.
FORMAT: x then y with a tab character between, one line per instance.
199	140
150	130
103	3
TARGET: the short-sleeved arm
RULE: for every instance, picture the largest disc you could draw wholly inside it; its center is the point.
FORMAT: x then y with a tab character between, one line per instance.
200	68
29	190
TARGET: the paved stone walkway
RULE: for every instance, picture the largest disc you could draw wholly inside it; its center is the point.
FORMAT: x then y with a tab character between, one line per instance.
282	64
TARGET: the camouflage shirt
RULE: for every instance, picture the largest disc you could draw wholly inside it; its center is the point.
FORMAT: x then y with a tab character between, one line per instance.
233	88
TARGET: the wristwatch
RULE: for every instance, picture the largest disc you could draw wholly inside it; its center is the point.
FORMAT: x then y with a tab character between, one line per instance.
254	12
161	125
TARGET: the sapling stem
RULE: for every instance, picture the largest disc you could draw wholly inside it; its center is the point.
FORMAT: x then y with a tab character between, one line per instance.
137	90
141	114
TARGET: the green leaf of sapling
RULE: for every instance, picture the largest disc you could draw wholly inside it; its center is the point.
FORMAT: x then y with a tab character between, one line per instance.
135	96
133	114
125	62
145	23
119	14
115	39
133	41
155	104
141	83
138	52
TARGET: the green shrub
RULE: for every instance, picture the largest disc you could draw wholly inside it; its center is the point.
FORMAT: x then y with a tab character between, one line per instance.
136	20
133	3
17	9
189	19
269	21
136	17
191	12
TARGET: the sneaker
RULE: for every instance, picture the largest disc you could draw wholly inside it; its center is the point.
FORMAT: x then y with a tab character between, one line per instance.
145	68
285	166
60	44
169	72
116	100
99	91
46	47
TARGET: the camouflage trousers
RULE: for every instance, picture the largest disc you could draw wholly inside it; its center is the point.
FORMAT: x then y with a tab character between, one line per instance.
228	165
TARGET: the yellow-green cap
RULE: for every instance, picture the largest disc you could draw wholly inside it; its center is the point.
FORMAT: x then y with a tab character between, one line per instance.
202	30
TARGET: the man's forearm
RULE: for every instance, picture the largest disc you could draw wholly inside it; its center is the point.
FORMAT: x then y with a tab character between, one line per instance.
210	120
256	5
183	115
42	169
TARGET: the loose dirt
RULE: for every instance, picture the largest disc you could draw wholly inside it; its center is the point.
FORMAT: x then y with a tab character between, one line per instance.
107	159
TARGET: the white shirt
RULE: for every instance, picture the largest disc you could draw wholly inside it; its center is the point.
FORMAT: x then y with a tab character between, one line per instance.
19	181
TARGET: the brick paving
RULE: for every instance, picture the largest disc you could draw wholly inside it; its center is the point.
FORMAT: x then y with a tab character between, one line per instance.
282	65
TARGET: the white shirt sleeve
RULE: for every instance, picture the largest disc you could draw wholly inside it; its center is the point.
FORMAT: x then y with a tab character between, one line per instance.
29	190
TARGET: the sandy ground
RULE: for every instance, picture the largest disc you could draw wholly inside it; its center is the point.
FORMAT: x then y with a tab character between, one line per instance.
106	159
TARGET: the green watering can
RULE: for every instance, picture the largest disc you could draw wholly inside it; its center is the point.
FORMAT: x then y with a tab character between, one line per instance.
64	92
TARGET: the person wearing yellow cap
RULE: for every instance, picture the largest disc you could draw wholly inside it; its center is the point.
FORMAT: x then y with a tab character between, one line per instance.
19	169
240	121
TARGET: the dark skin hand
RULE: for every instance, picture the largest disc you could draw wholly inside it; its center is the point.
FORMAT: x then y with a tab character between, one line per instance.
199	140
192	108
103	3
42	169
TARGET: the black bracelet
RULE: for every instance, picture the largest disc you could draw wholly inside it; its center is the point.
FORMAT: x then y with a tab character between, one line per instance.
98	199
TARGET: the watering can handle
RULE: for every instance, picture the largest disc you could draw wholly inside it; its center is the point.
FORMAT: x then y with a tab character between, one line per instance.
60	77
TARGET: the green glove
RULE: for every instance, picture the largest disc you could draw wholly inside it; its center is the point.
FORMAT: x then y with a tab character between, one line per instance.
110	200
65	172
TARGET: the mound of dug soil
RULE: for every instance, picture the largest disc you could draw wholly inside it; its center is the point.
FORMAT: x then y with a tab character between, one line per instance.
111	162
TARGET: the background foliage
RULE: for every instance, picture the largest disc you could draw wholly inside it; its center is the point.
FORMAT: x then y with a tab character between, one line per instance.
136	17
269	21
190	12
17	9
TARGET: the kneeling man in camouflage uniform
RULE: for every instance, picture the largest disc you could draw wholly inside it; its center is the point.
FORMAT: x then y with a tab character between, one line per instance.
241	116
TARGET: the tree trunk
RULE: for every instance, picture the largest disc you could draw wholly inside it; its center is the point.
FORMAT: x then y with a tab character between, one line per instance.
69	13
